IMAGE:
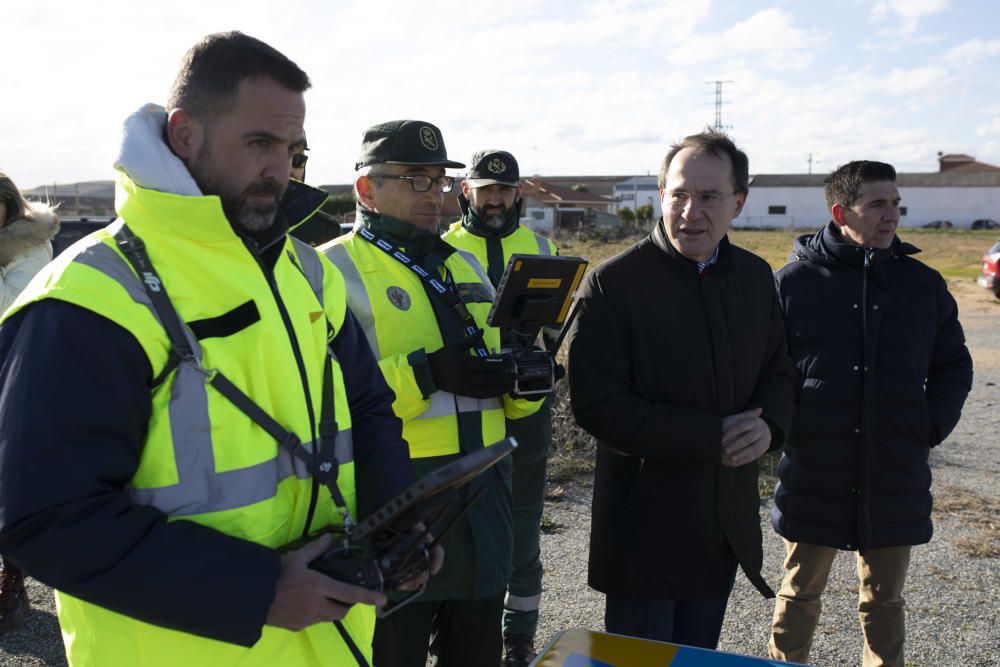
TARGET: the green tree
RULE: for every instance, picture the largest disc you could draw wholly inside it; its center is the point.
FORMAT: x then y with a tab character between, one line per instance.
644	213
627	215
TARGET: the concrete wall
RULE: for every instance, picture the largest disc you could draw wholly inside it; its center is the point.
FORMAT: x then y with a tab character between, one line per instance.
806	207
540	219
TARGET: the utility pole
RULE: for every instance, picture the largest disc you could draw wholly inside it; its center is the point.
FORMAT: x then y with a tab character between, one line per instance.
718	127
809	159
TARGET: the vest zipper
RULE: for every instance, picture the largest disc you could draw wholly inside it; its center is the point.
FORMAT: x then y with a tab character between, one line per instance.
297	352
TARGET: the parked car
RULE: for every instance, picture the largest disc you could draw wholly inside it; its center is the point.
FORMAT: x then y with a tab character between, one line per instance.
939	224
985	223
988	276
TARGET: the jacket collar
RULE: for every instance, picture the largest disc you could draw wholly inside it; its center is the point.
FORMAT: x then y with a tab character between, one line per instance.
471	221
416	241
658	237
36	229
828	246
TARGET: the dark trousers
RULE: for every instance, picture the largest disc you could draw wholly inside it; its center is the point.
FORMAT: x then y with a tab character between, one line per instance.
689	622
524	590
459	633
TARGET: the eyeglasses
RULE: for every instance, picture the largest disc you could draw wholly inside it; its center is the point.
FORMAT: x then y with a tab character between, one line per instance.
711	199
423	183
299	160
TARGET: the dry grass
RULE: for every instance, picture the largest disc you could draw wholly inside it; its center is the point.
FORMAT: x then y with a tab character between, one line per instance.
572	453
979	513
956	253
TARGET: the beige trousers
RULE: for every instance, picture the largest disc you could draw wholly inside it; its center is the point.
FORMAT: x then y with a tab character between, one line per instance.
881	572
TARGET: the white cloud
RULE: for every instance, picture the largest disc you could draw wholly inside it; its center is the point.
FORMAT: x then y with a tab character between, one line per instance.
770	33
971	52
990	129
910	12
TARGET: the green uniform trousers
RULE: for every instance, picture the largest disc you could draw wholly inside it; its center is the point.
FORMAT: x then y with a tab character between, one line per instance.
524	590
461	633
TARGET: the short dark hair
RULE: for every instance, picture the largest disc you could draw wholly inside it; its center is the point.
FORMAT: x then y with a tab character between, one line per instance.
719	144
843	186
212	70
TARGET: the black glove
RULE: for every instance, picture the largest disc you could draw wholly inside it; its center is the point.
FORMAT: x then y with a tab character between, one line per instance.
456	370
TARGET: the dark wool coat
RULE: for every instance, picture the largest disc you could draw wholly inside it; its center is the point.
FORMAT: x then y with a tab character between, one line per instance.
885	372
658	356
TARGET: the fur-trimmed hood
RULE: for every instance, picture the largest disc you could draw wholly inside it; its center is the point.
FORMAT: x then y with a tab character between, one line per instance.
38	227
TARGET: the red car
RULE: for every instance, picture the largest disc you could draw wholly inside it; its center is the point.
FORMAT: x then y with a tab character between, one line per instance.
988	276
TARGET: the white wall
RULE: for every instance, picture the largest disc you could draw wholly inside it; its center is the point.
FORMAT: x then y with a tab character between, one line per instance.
544	223
806	207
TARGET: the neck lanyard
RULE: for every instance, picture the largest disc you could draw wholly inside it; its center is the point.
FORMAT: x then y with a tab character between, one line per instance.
446	290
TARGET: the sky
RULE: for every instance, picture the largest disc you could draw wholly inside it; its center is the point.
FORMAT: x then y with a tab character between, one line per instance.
569	87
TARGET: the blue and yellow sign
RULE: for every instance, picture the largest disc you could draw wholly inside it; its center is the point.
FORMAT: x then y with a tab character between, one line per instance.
584	648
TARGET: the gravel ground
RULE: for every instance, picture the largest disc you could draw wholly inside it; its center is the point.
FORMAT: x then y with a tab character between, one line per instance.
952	598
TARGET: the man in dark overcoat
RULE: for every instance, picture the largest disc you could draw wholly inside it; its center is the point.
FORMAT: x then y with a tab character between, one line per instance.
679	367
884	375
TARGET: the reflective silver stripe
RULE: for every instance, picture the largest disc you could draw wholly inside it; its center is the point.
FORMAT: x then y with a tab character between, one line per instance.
200	488
102	258
357	296
444	403
483	278
311	266
187	410
543	245
522	603
233	489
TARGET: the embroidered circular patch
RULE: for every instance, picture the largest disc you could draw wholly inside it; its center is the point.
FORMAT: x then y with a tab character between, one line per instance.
428	138
398	297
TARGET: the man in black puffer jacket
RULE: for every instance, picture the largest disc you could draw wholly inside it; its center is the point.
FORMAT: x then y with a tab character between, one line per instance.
885	372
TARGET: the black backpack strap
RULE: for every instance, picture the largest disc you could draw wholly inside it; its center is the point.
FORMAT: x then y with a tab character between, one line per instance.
323	465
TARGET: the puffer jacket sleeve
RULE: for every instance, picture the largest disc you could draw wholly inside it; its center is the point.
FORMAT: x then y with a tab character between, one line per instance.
949	378
16	275
66	515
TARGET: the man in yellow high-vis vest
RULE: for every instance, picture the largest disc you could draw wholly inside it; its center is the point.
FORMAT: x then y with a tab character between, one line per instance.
423	307
490	229
174	387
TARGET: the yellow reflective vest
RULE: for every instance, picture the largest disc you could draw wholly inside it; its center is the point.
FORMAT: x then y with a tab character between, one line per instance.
522	241
391	305
203	459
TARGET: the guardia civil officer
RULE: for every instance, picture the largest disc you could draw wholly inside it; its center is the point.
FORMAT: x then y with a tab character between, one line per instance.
423	304
218	408
490	229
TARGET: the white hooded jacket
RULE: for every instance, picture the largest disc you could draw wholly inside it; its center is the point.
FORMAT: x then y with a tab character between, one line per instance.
25	247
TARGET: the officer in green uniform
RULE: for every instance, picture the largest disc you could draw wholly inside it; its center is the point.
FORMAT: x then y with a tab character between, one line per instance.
423	305
490	229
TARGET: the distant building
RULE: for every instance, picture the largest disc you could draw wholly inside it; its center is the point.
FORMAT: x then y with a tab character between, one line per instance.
962	191
602	186
548	207
638	191
88	199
